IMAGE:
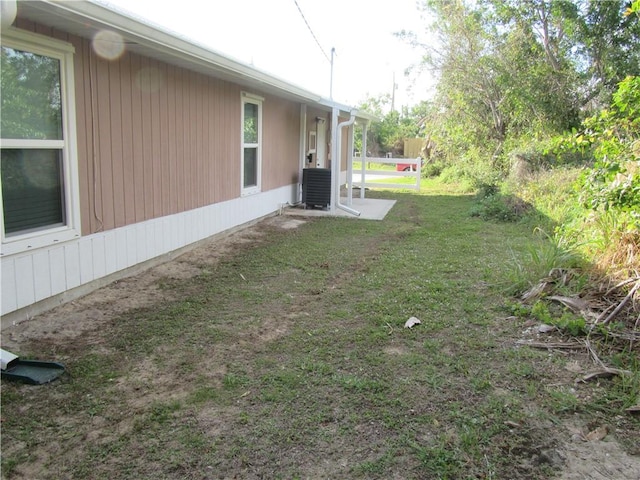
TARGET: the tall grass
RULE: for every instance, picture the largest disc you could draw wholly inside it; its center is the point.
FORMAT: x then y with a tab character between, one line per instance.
553	194
550	253
605	240
613	244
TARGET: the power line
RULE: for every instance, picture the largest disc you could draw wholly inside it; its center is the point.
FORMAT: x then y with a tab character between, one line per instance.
311	31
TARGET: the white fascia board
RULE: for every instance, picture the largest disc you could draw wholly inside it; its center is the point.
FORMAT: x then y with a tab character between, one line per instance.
347	111
161	41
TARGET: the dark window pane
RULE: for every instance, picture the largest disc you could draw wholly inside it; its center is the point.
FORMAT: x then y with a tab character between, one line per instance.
250	167
31	101
250	123
31	189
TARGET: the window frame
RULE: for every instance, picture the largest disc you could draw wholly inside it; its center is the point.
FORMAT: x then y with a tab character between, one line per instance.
255	100
63	52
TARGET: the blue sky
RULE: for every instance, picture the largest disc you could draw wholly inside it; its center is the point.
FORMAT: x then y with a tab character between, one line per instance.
273	36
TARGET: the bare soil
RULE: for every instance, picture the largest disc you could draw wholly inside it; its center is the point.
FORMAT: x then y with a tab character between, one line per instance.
85	324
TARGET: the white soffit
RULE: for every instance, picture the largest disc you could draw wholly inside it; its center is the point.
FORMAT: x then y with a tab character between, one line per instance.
85	19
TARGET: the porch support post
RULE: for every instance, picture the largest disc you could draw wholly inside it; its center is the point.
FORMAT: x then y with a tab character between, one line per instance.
335	161
350	165
363	167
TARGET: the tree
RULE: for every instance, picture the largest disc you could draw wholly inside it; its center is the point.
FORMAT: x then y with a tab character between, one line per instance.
611	42
388	134
613	137
475	69
512	71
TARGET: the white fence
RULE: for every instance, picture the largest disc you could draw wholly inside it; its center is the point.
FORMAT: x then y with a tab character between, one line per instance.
412	170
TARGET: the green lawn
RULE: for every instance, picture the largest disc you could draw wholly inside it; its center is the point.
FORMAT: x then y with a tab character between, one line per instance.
287	358
357	166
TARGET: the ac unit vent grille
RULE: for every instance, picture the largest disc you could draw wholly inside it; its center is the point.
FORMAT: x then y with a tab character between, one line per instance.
316	187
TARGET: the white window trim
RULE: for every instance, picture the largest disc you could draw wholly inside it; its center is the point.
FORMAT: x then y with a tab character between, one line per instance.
256	100
63	51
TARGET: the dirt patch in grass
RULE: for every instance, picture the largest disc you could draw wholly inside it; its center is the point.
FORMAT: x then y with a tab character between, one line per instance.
95	310
279	352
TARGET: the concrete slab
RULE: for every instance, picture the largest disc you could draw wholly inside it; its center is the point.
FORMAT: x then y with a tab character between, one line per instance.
369	208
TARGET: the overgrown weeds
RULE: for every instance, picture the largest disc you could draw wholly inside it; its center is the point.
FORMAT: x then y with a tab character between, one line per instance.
493	205
579	279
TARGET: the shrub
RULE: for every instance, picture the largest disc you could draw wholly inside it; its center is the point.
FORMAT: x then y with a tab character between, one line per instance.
432	168
492	205
613	138
601	216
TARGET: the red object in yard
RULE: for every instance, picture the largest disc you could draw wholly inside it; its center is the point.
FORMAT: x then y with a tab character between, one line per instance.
405	167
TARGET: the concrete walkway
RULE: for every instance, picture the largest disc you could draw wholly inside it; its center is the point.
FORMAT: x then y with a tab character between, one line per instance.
369	208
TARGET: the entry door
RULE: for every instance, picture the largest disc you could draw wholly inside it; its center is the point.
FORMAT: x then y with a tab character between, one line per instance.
321	146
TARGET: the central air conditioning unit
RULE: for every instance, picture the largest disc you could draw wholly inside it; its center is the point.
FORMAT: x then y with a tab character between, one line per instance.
316	187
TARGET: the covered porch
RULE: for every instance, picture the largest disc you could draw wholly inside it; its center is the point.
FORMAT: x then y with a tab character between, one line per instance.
327	143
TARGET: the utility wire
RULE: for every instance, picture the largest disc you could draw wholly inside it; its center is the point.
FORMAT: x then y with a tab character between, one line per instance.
311	31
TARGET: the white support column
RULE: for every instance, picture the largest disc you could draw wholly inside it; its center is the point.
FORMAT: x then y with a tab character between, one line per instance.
335	161
350	165
365	125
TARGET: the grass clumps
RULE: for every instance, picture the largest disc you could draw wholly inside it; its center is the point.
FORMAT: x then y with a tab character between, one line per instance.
492	204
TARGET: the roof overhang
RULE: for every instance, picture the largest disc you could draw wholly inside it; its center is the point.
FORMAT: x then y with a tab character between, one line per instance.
86	18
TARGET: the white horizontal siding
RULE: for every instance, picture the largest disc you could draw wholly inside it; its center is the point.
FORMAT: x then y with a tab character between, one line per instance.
33	276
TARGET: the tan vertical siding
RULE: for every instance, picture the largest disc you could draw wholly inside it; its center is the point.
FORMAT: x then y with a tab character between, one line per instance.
281	143
220	170
230	121
197	127
103	142
178	203
137	179
85	166
155	139
152	172
206	146
210	136
128	141
189	142
115	140
172	151
165	194
146	185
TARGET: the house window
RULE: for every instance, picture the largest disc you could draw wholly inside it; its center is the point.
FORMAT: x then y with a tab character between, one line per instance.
37	128
251	143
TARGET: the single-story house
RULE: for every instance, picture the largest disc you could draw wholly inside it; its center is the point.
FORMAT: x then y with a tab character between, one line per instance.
122	143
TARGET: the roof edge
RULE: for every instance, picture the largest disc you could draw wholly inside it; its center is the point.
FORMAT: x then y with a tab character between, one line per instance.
164	41
159	38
